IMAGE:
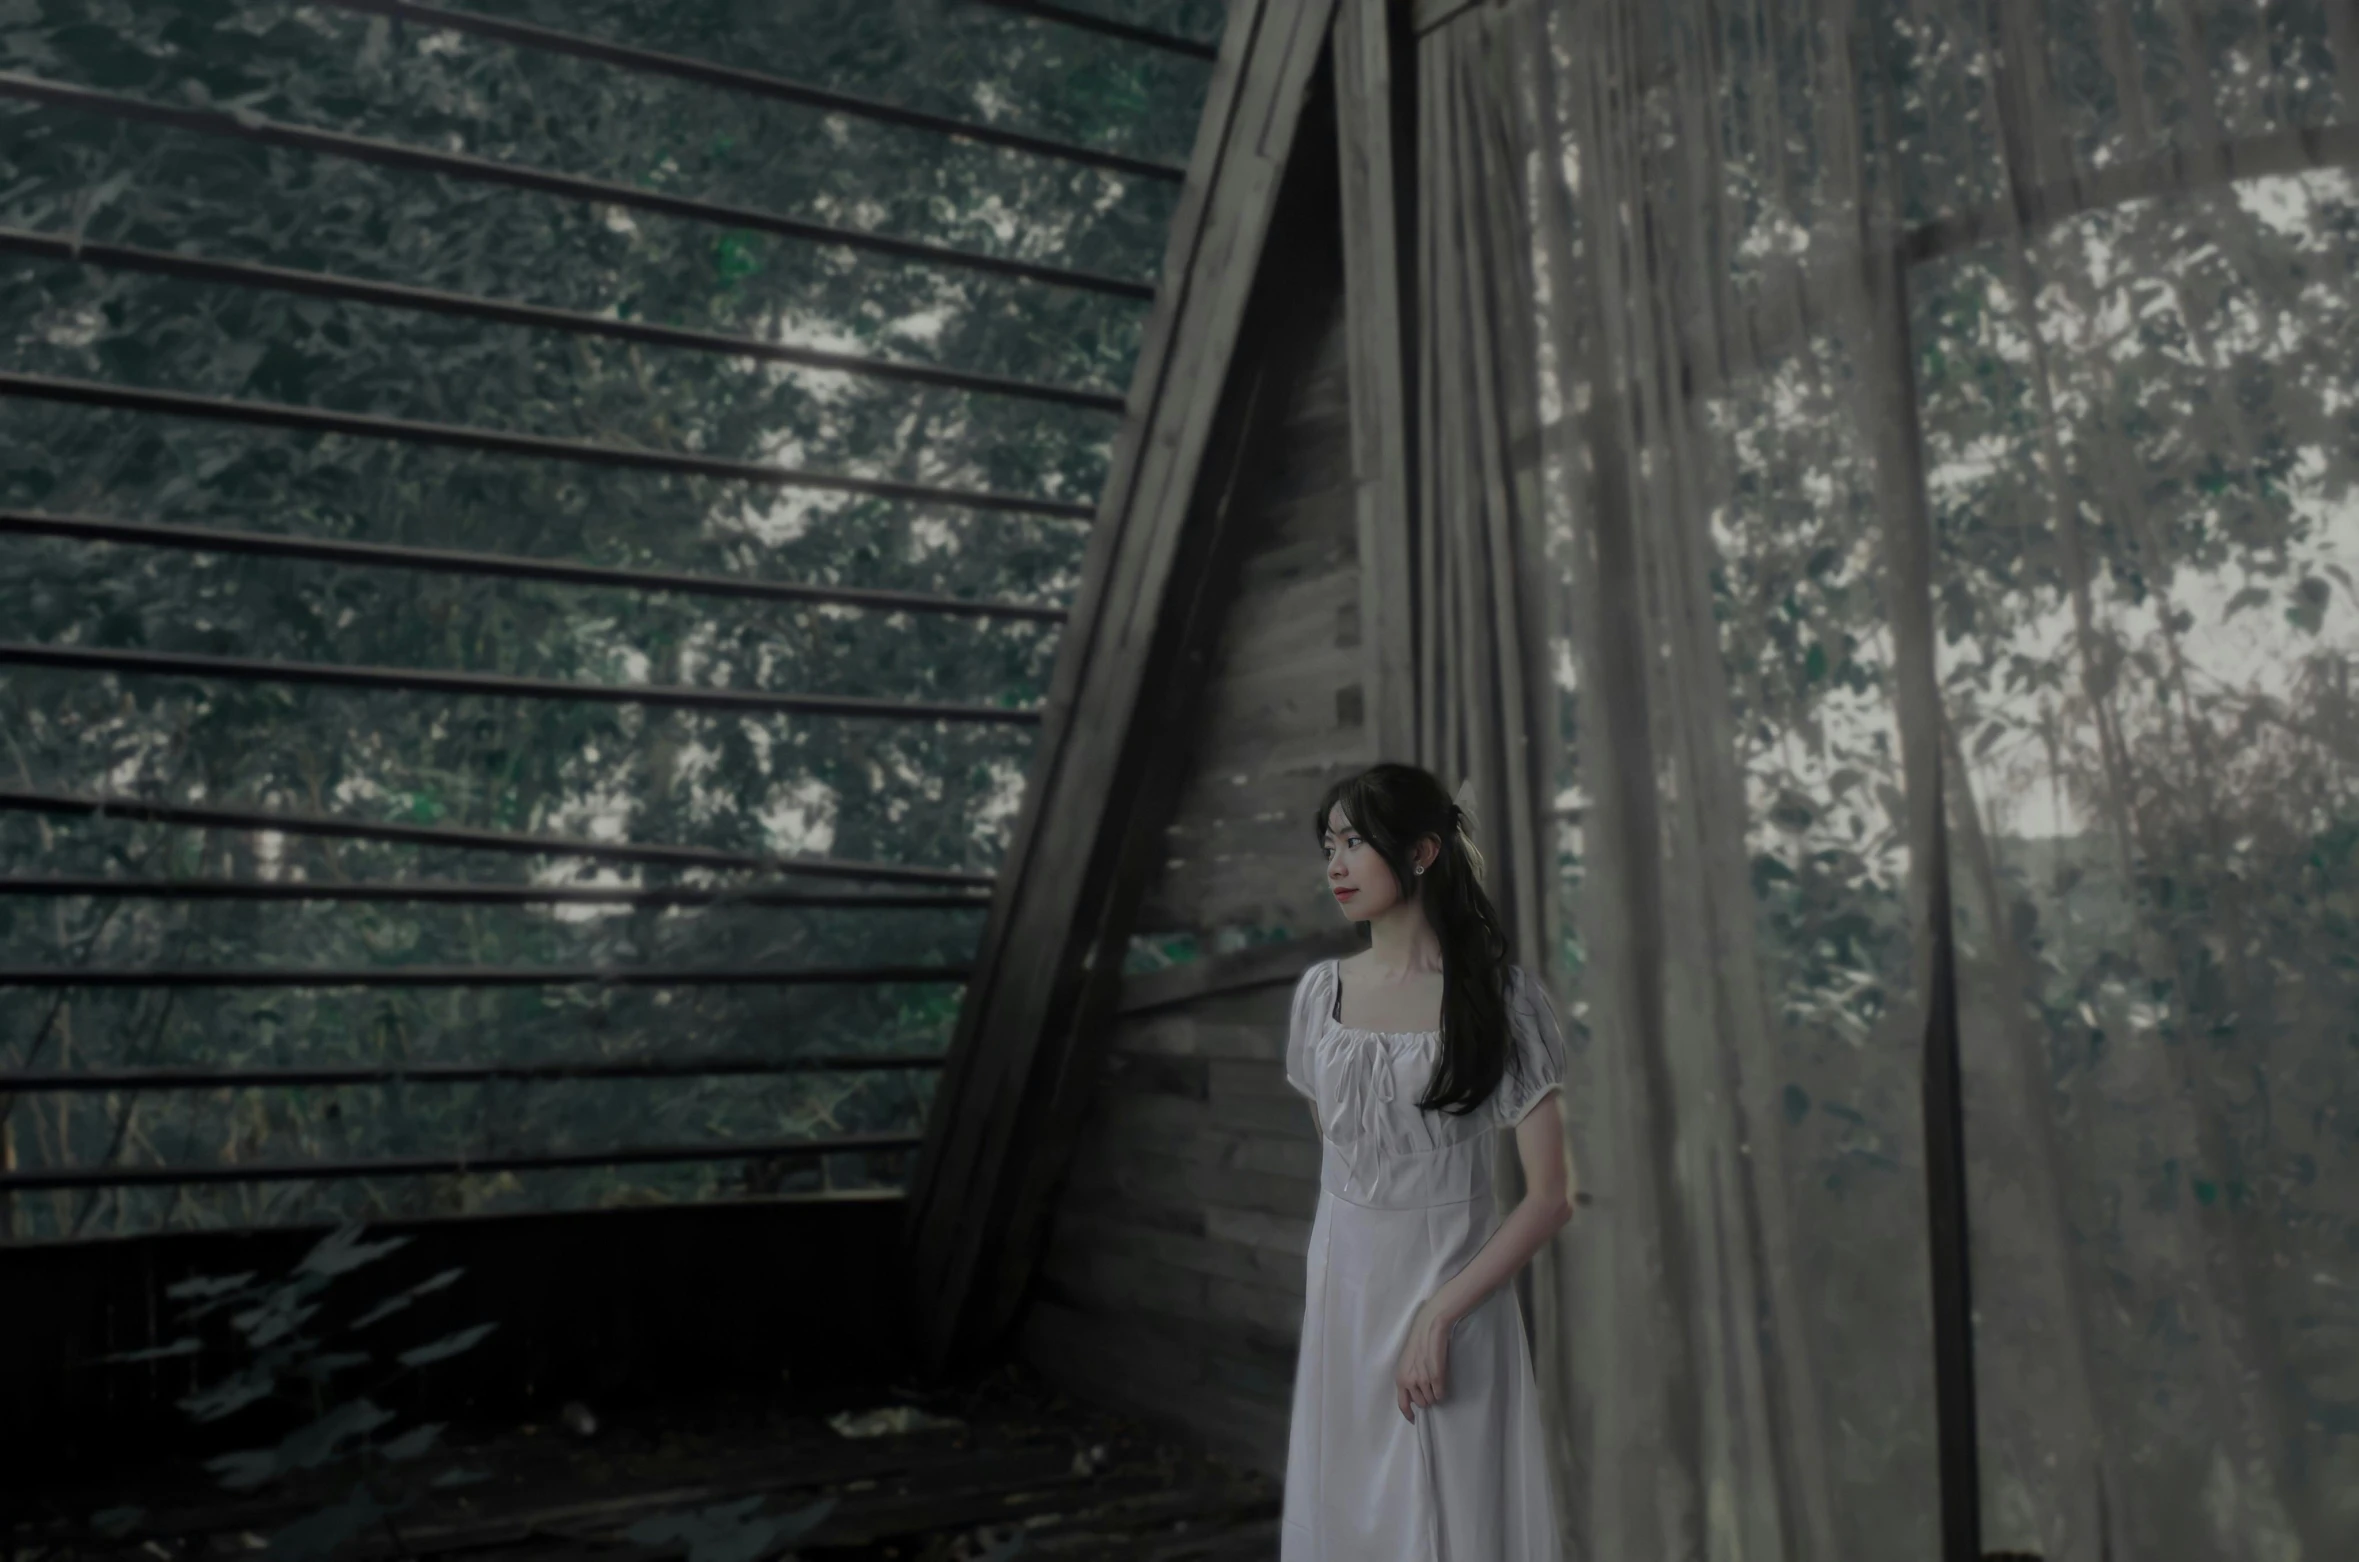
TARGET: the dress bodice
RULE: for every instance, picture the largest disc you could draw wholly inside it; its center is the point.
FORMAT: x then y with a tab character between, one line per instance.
1380	1149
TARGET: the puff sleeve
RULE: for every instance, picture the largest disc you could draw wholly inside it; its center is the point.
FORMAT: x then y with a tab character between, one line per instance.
1302	1027
1536	1065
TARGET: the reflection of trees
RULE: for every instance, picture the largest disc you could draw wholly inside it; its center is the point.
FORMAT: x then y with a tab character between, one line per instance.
935	794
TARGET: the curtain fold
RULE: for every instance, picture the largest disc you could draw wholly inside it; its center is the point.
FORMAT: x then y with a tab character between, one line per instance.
1885	487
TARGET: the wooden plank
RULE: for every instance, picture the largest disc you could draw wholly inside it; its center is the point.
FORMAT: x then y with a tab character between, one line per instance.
1168	1180
1375	108
1253	890
1191	1388
1290	622
1082	1236
1129	1283
1188	1130
1235	817
1262	966
1286	1117
1229	1084
1261	743
1239	812
1312	534
1256	1228
1189	1034
1154	1074
1018	1074
1258	1370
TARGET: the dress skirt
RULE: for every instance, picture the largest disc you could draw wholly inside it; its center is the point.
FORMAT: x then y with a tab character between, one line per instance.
1465	1482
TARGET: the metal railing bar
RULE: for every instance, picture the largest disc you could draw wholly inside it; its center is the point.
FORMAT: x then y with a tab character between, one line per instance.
735	79
92	1081
462	894
433	1165
1086	21
243	126
363	555
272	414
398	295
462	838
50	977
242	669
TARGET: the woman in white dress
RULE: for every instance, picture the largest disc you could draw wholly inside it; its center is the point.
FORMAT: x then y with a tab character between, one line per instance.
1416	1432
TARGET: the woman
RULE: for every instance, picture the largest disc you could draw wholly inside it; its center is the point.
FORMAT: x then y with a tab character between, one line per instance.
1416	1433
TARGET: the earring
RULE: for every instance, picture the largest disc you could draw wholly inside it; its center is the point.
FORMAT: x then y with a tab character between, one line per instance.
1421	867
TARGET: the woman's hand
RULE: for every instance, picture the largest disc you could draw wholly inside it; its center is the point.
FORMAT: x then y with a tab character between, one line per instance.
1423	1374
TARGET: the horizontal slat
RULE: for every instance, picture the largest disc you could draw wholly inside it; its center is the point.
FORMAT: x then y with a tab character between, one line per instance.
395	295
469	976
1287	1117
1176	1033
1106	26
463	839
1131	1284
1258	966
91	1080
458	436
1196	1131
1181	1184
364	555
435	1165
448	892
241	669
648	63
1097	1233
243	126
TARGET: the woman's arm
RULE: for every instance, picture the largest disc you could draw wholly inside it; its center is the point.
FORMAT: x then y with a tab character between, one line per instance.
1423	1373
1546	1205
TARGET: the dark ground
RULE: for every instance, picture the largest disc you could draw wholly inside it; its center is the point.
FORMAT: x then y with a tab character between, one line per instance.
1026	1472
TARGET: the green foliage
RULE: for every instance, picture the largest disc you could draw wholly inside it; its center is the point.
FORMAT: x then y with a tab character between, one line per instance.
933	793
303	1341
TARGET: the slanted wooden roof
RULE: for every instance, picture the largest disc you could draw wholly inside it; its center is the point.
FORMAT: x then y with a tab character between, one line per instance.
1016	1084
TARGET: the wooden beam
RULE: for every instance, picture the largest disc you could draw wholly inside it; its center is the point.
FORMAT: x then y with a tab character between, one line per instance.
1135	653
1376	148
1262	965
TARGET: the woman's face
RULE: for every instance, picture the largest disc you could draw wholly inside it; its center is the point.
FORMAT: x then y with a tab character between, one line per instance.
1362	882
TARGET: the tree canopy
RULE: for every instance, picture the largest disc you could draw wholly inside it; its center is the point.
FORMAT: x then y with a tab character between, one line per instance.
936	794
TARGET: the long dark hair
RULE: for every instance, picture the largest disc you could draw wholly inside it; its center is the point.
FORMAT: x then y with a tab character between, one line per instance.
1394	807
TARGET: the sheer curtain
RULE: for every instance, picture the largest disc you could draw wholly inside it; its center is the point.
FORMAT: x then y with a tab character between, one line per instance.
1884	490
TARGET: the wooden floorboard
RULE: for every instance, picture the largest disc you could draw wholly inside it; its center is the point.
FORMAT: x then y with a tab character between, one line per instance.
1234	1394
1078	1480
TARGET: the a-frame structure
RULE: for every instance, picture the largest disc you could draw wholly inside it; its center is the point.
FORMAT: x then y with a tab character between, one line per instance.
1238	641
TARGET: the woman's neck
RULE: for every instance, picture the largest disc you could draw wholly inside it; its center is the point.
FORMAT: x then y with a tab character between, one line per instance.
1401	942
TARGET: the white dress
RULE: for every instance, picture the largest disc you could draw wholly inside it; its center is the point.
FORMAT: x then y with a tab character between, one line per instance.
1404	1203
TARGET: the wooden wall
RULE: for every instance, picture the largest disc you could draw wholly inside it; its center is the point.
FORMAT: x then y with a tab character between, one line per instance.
1173	1280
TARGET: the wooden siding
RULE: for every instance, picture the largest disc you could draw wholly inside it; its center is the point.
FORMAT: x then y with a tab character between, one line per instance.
1225	345
1286	707
1172	1284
